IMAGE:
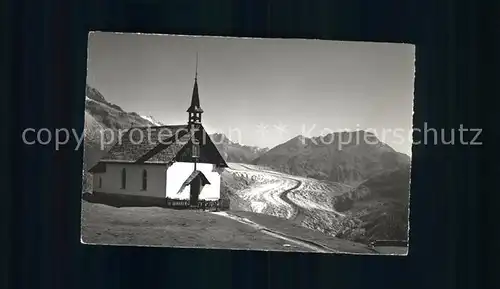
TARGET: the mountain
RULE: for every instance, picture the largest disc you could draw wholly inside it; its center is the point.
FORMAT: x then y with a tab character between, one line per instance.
344	157
111	115
103	117
152	120
102	121
94	94
235	152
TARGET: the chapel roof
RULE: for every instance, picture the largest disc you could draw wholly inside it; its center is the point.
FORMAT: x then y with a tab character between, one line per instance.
189	180
135	143
157	145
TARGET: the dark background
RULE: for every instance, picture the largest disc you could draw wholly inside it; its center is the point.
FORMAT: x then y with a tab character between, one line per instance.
44	51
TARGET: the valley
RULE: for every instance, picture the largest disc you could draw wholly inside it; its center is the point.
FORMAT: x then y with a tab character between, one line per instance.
358	214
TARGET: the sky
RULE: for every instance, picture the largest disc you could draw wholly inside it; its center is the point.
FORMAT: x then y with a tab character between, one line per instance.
260	92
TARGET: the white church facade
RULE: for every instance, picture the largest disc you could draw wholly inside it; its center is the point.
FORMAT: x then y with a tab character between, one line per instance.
173	165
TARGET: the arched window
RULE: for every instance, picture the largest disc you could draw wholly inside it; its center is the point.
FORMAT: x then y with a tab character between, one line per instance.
124	178
144	180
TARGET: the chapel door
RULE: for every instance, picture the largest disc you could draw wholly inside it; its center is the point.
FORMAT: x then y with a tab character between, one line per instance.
195	191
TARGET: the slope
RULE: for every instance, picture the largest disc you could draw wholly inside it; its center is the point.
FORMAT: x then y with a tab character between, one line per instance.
379	207
153	226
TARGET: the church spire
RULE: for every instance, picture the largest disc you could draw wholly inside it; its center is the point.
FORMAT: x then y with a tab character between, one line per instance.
195	110
196	70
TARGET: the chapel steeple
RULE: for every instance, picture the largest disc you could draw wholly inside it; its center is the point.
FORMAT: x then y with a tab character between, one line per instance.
195	110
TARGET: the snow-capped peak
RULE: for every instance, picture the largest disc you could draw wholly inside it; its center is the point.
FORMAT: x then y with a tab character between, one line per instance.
152	120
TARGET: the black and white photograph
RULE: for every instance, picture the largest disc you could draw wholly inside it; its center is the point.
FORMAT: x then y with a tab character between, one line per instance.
293	145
